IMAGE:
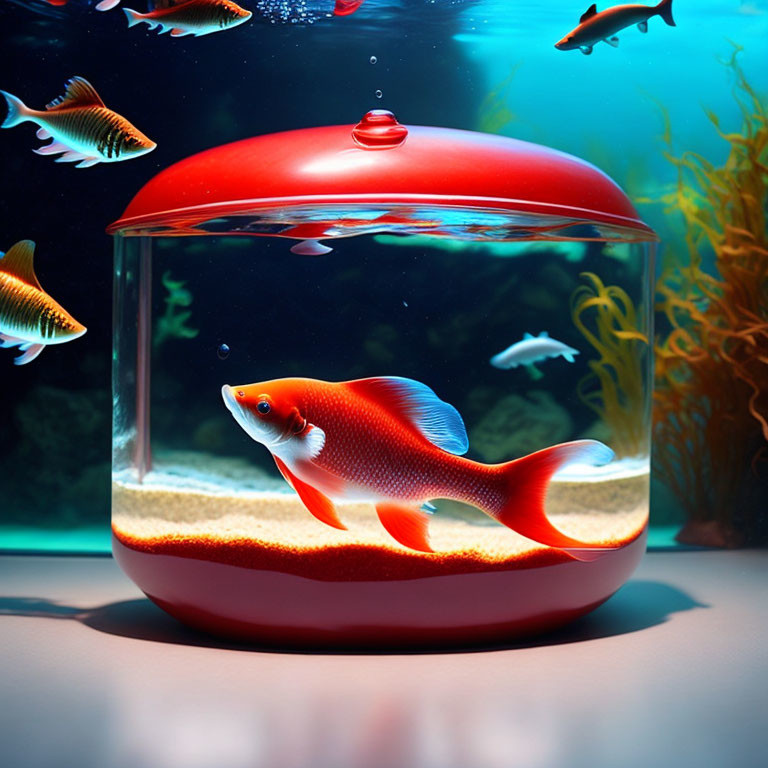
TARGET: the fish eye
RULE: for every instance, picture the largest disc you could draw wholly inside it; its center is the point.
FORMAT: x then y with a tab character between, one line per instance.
263	407
240	393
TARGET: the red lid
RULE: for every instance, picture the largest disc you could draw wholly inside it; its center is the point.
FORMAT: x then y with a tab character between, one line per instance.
380	176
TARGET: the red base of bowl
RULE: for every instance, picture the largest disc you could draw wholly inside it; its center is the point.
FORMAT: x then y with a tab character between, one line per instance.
281	609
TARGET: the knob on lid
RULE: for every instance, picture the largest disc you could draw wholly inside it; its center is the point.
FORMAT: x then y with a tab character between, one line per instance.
379	129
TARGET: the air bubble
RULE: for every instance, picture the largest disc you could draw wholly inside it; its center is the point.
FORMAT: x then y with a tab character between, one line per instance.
373	59
378	94
223	351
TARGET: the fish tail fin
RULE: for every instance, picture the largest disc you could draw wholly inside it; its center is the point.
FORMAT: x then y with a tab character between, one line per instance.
525	487
134	17
18	112
664	9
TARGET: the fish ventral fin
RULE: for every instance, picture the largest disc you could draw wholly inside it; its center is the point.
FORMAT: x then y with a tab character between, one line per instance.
643	26
614	41
407	525
589	13
78	93
19	263
317	503
31	351
436	420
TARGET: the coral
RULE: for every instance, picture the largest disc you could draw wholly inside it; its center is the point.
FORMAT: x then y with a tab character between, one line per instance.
172	325
711	400
515	426
615	387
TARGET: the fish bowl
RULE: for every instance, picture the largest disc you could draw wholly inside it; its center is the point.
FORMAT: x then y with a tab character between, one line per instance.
381	386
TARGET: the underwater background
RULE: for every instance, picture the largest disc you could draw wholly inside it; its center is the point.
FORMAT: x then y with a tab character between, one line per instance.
486	65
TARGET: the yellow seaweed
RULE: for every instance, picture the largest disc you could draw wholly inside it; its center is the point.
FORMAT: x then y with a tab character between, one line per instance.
711	398
615	387
493	114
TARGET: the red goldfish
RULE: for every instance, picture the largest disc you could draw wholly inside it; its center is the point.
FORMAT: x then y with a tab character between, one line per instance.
392	442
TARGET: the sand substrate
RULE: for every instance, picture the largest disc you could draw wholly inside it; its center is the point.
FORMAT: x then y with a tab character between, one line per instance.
272	529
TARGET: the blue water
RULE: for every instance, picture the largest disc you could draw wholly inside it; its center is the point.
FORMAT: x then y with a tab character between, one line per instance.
479	65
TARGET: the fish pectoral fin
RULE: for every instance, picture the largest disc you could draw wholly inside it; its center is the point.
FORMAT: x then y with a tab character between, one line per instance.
70	157
643	26
408	525
586	49
317	503
51	149
32	352
613	41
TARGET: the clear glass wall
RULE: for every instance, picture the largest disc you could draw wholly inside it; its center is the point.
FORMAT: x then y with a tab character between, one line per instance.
193	314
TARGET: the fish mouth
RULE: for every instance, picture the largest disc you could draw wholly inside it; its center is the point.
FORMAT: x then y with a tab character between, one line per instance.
229	400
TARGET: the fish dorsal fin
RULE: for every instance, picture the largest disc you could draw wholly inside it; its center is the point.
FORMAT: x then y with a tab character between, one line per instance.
18	262
527	336
159	5
435	419
78	93
543	335
589	13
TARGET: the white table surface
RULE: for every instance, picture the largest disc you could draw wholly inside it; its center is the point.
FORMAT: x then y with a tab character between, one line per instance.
672	671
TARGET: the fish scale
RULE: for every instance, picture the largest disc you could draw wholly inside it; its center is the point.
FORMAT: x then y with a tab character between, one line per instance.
370	464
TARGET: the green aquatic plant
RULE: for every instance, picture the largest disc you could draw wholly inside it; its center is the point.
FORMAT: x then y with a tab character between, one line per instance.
615	387
570	250
494	114
173	323
711	399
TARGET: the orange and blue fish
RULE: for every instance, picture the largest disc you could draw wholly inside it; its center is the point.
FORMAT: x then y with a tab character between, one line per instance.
29	318
81	127
393	442
190	17
595	25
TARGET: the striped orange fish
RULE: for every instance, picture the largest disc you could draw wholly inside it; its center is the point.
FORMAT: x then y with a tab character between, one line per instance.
82	128
29	318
